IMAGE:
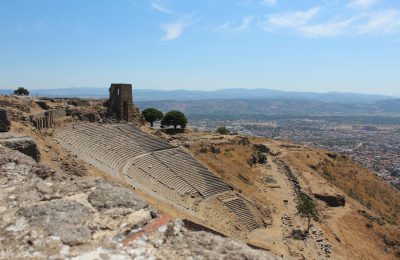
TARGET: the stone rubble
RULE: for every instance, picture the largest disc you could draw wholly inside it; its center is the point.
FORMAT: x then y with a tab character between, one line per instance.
55	215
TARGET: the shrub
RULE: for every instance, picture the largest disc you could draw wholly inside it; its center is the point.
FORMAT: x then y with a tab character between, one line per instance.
261	148
262	158
174	118
223	130
306	208
215	150
151	115
203	150
21	91
244	141
327	174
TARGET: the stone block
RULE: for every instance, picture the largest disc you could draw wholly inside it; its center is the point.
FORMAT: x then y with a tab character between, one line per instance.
23	144
5	122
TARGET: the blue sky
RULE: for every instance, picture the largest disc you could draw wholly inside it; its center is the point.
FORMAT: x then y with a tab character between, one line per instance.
310	45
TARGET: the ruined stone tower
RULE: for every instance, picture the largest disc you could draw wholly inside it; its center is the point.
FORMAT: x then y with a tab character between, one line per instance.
120	102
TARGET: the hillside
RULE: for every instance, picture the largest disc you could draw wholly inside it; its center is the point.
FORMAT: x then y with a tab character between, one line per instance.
355	231
81	152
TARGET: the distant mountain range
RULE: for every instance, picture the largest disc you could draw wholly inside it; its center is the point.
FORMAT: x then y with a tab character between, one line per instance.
185	95
255	108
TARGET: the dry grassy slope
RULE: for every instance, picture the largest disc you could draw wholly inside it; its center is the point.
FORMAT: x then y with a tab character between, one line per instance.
340	174
356	181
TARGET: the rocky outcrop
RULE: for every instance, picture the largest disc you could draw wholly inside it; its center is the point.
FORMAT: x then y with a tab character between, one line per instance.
107	196
48	214
332	200
45	213
177	241
5	122
62	218
23	144
43	105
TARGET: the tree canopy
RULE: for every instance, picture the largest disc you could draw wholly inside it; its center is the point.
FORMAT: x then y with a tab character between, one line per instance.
223	130
151	115
21	91
174	118
306	208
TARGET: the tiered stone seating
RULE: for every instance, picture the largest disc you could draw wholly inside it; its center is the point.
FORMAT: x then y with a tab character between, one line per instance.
239	207
155	168
166	171
224	197
145	141
137	175
193	172
102	144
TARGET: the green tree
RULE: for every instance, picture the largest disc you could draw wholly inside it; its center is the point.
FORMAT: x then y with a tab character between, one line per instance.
21	91
151	115
223	130
306	208
174	118
262	158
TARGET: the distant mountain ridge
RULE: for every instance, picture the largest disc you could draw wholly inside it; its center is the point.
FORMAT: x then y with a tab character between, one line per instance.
185	95
253	108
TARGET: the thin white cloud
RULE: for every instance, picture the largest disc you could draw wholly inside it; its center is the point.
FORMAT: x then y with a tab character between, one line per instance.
160	7
174	30
290	19
328	29
362	3
382	22
356	23
235	26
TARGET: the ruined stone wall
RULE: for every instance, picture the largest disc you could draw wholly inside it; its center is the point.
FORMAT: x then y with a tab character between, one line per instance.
4	121
59	113
120	104
46	119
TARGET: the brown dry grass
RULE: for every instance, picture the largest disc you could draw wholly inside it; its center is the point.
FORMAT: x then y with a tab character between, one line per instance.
230	164
358	241
365	243
356	181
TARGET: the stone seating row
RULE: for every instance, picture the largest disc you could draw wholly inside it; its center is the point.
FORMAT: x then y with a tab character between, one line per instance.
147	142
151	183
206	183
154	167
239	207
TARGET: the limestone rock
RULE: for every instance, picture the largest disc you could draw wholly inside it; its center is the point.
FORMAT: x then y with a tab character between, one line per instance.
333	200
42	172
23	144
107	196
62	218
43	105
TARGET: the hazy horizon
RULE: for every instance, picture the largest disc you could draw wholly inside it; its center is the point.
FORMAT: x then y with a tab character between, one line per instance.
212	90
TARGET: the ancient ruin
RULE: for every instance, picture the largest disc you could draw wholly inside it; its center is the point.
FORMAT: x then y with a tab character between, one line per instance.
4	121
120	104
178	195
46	119
23	144
166	172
